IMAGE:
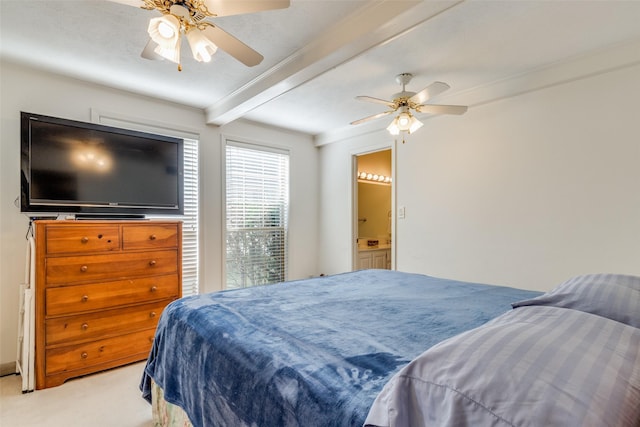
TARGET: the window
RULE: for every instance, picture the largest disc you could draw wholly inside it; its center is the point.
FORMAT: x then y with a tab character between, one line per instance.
190	219
257	209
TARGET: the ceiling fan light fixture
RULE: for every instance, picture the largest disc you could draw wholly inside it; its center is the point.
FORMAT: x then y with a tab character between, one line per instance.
172	53
164	30
404	122
393	127
415	125
201	47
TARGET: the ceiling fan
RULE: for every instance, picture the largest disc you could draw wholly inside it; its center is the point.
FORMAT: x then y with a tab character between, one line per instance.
406	101
189	18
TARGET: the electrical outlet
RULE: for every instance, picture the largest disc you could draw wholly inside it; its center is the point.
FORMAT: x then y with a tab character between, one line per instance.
401	212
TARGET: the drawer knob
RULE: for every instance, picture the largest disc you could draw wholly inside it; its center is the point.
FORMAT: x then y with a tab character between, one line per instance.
84	268
85	298
153	288
152	314
85	326
84	355
152	237
85	239
152	262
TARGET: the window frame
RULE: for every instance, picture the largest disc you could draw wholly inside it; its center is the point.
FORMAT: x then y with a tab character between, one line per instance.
268	148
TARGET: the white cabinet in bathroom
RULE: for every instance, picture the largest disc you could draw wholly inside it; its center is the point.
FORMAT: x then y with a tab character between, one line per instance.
374	258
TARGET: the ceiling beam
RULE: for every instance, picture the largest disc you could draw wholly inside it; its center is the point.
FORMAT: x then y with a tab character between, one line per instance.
376	23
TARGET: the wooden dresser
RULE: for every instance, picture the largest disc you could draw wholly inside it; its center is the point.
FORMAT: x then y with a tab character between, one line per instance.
100	289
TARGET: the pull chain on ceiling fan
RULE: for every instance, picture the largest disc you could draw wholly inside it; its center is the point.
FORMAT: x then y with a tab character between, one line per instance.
188	18
406	101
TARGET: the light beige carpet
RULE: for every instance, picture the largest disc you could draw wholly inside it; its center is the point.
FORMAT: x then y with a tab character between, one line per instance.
107	399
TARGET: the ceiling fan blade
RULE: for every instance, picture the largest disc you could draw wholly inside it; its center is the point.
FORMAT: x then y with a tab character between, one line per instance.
232	46
237	7
375	116
442	109
429	92
376	100
149	51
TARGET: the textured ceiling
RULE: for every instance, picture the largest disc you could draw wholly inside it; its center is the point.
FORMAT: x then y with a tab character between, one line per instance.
320	54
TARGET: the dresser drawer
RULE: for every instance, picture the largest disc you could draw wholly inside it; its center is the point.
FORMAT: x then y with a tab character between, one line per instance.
88	268
91	326
64	300
149	236
84	238
95	353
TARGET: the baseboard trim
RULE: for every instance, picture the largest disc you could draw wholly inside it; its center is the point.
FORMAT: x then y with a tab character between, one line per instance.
7	369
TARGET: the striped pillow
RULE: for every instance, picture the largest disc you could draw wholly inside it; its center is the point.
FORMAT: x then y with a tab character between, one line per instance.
535	366
614	296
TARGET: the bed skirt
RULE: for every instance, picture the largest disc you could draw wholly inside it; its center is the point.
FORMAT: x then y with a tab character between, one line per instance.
166	414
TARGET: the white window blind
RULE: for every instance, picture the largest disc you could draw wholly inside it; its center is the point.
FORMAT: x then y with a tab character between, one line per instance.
257	209
190	219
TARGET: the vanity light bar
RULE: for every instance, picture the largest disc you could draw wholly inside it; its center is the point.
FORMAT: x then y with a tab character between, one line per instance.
365	176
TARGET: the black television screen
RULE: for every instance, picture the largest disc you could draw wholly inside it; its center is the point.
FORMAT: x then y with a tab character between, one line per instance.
75	167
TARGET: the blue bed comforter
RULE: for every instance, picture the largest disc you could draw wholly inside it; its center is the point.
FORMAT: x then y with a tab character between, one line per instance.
307	353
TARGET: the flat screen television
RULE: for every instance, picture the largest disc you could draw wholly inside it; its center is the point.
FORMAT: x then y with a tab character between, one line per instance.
88	169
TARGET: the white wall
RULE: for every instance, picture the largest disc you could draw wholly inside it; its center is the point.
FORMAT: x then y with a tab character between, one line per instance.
526	191
24	89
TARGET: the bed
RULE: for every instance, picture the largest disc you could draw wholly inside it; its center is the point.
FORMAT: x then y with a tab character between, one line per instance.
386	348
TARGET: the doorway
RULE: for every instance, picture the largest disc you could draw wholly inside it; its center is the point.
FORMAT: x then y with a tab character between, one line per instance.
373	189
